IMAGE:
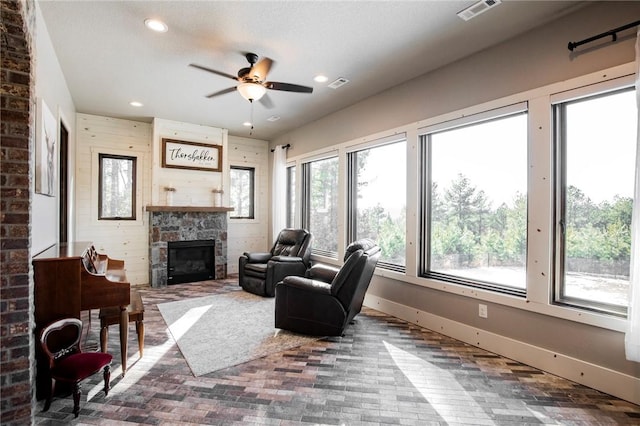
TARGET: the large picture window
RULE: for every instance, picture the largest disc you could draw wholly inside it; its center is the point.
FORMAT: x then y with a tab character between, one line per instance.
116	187
378	201
596	151
529	196
475	201
320	198
242	198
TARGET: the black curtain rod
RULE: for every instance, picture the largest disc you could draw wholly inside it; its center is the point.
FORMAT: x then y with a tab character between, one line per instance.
283	147
612	33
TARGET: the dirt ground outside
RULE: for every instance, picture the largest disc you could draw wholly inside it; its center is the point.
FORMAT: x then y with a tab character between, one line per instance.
591	287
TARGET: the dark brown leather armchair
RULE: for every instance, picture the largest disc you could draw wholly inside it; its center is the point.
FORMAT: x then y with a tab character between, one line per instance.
290	255
323	303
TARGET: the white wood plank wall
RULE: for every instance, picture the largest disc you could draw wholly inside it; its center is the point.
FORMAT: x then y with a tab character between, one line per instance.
192	187
126	240
250	234
129	240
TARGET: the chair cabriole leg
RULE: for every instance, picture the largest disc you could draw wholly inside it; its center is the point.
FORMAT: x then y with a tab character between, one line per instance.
77	390
52	389
107	377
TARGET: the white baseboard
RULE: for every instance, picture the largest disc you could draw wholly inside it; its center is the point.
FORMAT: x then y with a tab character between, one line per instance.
614	383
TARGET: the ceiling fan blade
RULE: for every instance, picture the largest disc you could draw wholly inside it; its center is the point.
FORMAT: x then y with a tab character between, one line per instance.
220	73
222	92
288	87
266	101
261	69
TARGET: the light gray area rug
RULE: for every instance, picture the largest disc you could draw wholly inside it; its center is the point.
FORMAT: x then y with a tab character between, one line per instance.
223	330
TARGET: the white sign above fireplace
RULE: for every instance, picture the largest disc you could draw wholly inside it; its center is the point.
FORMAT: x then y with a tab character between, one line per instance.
191	155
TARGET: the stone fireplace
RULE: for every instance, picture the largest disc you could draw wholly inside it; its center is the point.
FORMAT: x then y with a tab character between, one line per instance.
172	224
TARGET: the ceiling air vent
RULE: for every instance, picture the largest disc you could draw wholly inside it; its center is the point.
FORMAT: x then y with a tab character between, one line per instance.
339	82
477	8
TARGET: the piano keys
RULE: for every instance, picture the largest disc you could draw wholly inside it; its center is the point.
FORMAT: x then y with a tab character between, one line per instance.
74	277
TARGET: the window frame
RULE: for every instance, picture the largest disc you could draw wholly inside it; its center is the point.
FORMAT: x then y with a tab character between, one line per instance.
134	172
252	192
291	179
352	191
540	213
425	197
558	104
305	202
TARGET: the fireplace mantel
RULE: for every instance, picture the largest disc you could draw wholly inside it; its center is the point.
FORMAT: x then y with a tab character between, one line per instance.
188	209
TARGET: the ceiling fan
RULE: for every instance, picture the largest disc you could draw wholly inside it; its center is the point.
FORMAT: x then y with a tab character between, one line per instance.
252	85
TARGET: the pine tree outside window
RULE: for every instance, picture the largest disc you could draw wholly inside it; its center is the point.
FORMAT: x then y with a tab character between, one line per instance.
475	181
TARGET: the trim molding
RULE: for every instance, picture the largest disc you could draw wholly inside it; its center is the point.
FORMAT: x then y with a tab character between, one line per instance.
594	376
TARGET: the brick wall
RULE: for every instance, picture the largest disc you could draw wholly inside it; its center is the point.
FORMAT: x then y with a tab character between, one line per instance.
16	142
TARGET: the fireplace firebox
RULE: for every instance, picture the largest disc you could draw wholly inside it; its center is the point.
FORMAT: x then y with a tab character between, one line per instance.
189	261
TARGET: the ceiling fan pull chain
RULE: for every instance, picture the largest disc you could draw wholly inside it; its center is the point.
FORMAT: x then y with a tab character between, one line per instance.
251	120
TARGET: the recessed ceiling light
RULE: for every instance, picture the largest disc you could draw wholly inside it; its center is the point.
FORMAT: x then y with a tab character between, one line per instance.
156	25
320	78
246	124
136	104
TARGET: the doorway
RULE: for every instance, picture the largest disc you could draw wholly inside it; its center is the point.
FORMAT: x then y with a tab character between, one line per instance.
63	190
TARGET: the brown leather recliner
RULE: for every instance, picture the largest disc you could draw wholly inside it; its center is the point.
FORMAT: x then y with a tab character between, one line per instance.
329	298
290	255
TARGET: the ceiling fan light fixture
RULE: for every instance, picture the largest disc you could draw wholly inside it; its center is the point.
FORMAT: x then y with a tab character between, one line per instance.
156	25
252	91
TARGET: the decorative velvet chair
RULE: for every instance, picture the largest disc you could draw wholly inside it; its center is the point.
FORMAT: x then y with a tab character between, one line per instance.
290	255
60	342
328	299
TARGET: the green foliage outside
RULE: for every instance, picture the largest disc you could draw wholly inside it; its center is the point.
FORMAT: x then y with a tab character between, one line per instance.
598	231
324	205
387	231
467	232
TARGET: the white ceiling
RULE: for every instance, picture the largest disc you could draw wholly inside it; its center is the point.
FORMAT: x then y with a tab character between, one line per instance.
109	58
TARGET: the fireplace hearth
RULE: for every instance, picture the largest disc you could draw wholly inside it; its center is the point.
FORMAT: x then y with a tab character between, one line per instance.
189	261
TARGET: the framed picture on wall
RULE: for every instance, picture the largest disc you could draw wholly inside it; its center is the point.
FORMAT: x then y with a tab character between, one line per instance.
46	142
191	155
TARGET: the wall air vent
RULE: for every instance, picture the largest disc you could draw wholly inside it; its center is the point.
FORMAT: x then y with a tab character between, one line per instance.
339	82
477	8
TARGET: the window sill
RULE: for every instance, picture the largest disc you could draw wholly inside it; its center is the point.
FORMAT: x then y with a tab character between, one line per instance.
569	313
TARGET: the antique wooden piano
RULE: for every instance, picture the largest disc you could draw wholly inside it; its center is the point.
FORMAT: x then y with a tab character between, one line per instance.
74	277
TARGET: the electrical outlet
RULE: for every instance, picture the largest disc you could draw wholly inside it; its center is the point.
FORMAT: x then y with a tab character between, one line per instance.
482	311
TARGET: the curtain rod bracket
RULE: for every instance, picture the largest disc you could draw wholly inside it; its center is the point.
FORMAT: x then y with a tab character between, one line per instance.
287	146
